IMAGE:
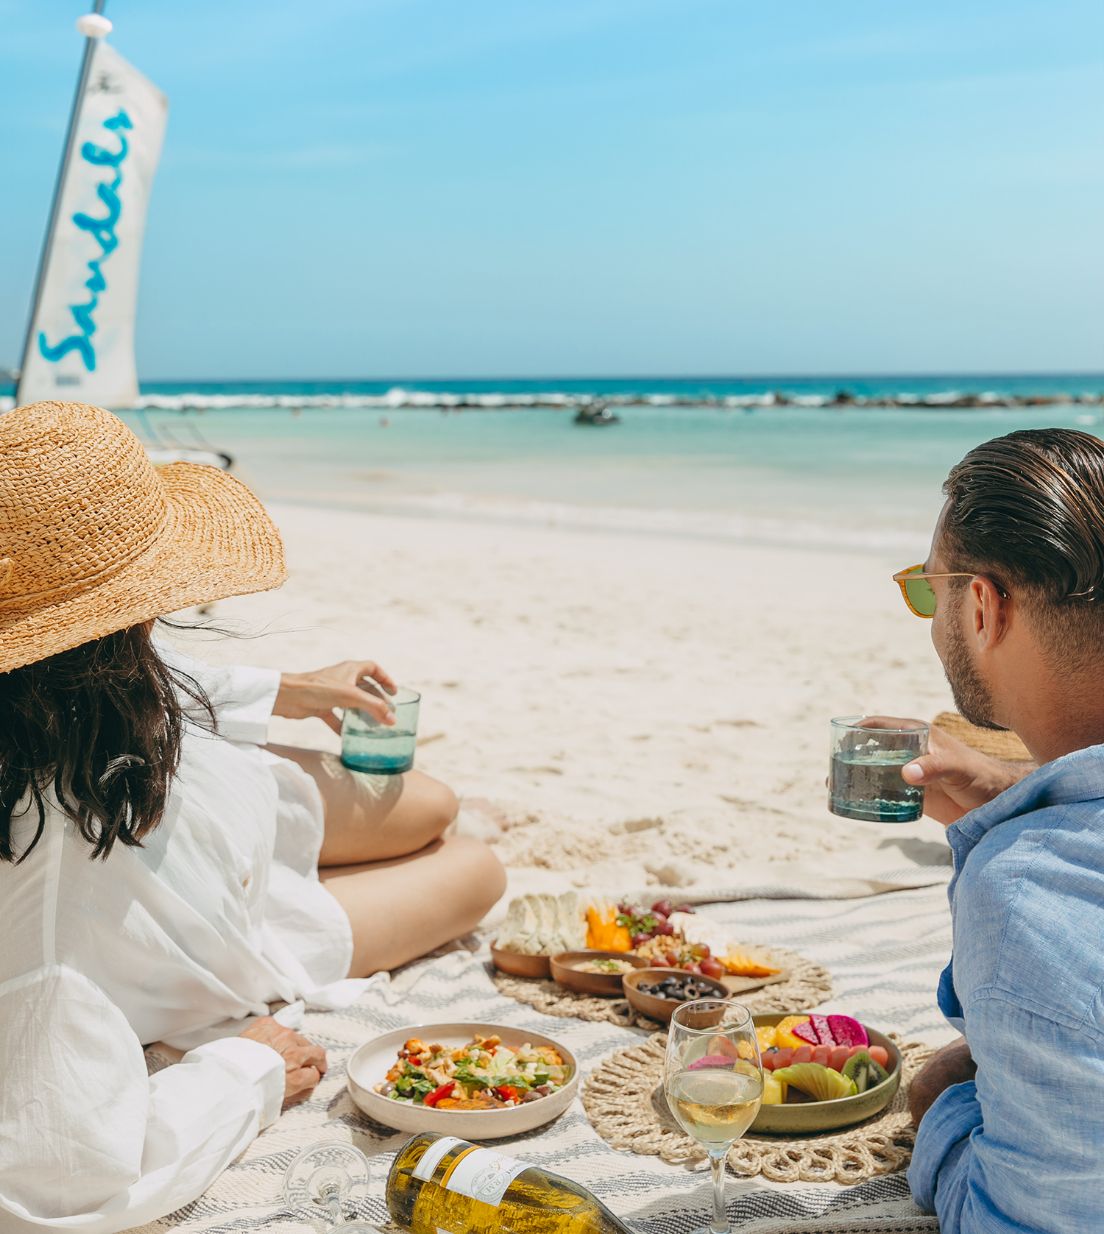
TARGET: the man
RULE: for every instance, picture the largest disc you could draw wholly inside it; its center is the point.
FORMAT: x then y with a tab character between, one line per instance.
1011	1119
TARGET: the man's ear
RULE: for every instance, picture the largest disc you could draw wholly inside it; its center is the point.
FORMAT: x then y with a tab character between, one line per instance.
990	612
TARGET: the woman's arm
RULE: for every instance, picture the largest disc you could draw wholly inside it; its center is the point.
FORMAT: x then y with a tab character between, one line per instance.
246	698
243	697
88	1141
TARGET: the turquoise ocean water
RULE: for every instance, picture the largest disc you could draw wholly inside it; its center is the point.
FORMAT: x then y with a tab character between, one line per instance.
702	457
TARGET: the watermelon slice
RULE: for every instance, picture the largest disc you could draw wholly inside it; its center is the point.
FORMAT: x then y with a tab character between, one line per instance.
845	1031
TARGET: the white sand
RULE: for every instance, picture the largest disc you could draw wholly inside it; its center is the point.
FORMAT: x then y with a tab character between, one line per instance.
616	708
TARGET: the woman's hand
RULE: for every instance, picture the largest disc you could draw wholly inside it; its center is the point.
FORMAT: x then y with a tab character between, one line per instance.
304	1062
956	778
302	695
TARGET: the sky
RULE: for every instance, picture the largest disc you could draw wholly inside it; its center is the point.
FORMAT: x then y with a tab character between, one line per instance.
437	188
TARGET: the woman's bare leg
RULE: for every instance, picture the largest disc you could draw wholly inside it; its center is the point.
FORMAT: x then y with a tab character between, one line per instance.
373	818
403	908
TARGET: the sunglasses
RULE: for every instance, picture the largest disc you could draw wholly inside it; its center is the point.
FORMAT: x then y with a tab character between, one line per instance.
918	592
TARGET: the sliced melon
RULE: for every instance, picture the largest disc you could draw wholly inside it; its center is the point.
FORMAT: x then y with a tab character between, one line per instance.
820	1083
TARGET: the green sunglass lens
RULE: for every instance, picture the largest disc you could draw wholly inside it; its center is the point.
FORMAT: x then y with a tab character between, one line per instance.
921	595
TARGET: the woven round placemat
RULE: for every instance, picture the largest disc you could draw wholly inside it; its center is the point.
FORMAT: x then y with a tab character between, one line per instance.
989	741
806	986
625	1104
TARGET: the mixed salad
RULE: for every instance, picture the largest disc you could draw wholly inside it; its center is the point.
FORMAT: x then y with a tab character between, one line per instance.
484	1074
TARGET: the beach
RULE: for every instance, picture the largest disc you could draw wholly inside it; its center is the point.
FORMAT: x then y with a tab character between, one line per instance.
629	640
613	708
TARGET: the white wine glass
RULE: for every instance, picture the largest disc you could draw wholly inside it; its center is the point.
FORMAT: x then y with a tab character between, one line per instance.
713	1081
325	1179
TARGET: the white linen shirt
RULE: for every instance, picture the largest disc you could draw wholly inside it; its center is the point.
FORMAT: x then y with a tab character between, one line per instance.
219	914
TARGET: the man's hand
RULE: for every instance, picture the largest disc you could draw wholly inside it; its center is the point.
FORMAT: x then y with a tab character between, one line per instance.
953	1064
302	695
304	1062
956	778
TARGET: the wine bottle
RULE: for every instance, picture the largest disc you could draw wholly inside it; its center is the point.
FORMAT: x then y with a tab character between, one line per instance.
443	1185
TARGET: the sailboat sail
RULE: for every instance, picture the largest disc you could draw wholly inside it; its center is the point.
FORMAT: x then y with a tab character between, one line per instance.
81	343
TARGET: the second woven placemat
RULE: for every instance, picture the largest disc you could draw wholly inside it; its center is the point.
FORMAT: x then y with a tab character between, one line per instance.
806	986
625	1104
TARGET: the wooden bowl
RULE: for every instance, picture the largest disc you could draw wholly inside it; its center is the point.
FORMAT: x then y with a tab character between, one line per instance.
565	972
811	1116
519	965
662	1009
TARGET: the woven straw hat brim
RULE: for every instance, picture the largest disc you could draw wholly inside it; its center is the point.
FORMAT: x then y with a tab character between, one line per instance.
217	541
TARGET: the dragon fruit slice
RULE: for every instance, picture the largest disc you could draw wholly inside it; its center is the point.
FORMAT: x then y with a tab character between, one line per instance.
846	1031
816	1032
712	1060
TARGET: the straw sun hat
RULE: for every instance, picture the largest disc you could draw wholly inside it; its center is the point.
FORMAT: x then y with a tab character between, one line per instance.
94	538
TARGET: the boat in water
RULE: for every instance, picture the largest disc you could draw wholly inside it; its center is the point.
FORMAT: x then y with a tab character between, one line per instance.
596	414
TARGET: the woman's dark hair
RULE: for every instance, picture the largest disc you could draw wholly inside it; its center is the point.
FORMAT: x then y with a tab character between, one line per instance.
102	726
1028	510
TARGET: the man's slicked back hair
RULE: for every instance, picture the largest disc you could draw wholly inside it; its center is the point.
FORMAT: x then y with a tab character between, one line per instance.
1028	511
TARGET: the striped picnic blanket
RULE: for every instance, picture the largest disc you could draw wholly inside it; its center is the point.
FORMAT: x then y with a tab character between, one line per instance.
884	952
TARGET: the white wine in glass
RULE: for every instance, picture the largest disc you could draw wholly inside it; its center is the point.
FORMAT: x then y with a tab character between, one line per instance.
713	1081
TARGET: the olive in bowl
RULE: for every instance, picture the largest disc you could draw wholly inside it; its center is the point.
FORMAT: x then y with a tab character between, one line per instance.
657	992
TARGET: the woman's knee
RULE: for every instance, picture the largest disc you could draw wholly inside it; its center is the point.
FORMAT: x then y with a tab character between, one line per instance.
437	804
477	869
445	804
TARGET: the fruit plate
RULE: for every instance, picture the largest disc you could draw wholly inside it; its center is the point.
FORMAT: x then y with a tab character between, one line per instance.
804	1117
369	1065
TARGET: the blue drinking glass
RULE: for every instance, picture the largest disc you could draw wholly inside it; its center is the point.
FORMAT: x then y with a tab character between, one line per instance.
865	778
382	749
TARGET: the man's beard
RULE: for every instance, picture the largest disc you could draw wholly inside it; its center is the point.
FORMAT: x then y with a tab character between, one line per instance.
971	695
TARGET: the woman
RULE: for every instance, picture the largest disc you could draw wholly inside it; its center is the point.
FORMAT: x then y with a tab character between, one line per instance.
159	881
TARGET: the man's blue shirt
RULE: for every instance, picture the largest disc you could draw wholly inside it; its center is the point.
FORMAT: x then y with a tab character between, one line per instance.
1021	1148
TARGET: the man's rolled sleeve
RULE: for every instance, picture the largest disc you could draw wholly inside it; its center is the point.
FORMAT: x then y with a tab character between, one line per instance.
941	1142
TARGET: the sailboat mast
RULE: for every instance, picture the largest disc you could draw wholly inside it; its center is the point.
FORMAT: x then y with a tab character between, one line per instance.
93	32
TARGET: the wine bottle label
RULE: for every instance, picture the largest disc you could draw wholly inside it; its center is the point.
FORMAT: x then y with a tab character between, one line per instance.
423	1171
484	1175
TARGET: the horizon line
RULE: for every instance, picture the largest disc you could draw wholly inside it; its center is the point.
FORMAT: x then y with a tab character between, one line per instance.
810	376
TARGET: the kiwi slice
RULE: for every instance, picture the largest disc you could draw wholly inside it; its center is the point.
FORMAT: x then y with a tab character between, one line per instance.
864	1071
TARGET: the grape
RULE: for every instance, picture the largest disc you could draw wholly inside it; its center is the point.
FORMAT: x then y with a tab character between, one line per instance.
712	968
682	908
692	968
672	959
665	928
638	940
662	908
701	951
